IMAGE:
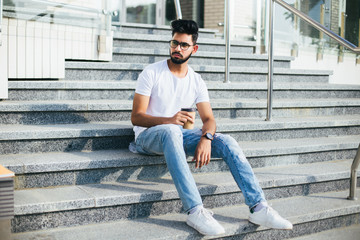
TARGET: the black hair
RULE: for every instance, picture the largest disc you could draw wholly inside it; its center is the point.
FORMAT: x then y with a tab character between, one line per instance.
185	26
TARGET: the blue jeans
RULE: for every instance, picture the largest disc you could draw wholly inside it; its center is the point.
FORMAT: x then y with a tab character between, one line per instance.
175	143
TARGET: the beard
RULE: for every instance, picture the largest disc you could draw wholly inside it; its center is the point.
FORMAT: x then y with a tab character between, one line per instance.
179	60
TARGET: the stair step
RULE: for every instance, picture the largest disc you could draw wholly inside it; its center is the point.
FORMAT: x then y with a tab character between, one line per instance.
124	90
130	71
127	40
104	110
76	168
139	198
309	214
351	232
142	55
118	134
136	28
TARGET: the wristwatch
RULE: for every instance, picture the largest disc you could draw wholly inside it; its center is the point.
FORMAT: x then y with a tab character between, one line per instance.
208	136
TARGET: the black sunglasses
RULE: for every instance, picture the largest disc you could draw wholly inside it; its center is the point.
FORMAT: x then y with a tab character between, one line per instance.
183	45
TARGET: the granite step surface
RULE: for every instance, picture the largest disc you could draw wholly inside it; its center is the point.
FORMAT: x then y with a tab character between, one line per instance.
128	40
38	170
124	90
309	214
147	56
117	135
93	203
104	110
345	232
130	71
136	28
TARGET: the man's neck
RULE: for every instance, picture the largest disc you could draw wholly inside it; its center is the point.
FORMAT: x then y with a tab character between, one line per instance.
179	70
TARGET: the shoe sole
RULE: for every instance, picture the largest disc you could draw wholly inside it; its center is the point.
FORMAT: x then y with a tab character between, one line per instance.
203	233
269	226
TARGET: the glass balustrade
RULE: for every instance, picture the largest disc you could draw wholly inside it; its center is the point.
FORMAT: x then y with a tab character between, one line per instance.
75	13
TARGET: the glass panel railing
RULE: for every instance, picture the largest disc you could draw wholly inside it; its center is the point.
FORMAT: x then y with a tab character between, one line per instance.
60	12
141	11
338	16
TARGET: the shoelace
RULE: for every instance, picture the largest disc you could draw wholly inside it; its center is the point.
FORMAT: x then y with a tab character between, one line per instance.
270	210
207	213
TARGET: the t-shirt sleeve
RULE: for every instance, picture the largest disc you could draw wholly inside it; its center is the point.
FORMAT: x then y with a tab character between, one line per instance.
145	82
203	95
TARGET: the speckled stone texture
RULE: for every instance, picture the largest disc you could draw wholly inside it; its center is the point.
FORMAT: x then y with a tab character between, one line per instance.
300	229
64	145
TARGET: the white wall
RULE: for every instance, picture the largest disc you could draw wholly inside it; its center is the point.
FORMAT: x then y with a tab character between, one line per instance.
3	62
38	50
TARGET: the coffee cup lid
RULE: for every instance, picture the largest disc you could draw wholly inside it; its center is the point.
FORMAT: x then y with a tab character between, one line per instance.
188	109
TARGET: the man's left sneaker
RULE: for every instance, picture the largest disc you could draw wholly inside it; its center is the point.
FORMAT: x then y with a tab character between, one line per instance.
268	217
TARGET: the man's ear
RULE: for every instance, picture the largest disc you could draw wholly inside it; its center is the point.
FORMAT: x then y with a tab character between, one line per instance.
196	47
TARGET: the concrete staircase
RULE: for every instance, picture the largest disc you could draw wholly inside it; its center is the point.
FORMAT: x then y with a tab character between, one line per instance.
67	141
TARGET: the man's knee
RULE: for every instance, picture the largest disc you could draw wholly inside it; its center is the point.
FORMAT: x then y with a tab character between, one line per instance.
171	132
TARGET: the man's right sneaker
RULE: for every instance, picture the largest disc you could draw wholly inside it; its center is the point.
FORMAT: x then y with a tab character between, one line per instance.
268	217
203	221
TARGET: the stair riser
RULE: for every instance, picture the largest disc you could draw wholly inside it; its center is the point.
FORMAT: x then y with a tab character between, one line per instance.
154	31
126	58
92	94
98	74
298	230
286	112
23	223
103	175
56	94
64	145
142	44
71	117
66	117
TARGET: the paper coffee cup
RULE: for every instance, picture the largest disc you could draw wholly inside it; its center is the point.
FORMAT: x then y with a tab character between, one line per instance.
188	124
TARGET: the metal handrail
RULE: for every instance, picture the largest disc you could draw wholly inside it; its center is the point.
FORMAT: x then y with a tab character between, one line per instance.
178	9
227	41
310	21
73	7
353	177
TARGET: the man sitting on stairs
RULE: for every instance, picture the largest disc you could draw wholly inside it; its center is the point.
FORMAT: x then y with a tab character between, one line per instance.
163	88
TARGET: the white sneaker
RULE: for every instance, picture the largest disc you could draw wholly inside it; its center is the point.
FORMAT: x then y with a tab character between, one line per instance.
268	217
202	220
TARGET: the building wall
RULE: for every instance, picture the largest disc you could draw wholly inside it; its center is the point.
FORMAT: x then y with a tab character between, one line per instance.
334	22
214	14
187	9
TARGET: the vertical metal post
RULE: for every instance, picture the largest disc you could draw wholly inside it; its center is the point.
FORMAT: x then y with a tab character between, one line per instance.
353	177
357	55
270	60
1	9
227	41
178	9
108	15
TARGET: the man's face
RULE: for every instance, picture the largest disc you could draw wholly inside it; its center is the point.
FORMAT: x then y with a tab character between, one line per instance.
179	55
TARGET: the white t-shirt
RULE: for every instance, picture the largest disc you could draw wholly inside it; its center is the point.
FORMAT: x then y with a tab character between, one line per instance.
168	93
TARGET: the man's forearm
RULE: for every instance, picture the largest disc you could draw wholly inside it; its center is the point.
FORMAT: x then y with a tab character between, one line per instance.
145	120
209	126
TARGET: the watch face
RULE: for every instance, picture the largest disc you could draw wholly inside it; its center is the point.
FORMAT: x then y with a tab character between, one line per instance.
209	136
